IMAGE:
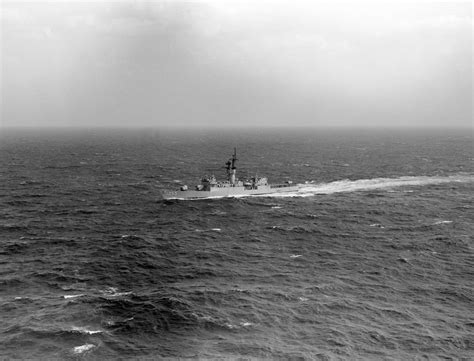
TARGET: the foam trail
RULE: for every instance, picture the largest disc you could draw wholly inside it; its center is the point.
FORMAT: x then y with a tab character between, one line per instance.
371	184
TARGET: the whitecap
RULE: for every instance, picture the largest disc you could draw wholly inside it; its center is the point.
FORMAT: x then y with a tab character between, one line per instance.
296	256
276	207
376	225
442	222
85	330
245	324
112	292
118	294
73	296
83	348
302	299
216	229
118	321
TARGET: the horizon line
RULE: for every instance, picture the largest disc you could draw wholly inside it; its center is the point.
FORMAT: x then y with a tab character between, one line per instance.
232	127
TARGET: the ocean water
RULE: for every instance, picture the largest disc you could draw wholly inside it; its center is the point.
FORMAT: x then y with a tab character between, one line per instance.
373	259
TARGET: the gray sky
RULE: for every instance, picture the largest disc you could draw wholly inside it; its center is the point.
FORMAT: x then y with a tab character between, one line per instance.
238	63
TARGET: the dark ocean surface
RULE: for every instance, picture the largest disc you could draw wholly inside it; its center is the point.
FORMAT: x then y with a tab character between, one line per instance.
372	260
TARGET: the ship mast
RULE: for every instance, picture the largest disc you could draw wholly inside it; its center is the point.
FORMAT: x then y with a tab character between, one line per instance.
231	168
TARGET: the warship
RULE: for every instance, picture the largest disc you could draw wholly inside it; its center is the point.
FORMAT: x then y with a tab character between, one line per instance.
231	187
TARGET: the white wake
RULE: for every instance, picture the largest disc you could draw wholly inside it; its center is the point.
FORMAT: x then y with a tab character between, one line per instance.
346	185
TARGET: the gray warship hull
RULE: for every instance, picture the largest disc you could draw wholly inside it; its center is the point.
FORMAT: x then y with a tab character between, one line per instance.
229	192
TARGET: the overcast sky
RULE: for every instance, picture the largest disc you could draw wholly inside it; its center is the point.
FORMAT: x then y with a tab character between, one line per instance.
238	63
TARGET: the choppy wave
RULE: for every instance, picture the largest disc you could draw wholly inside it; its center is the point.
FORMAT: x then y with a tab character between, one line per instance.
99	269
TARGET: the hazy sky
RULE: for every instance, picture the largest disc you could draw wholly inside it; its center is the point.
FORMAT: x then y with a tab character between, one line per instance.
239	63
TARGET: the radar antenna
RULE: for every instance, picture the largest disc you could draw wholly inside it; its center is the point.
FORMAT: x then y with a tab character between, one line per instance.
231	168
234	158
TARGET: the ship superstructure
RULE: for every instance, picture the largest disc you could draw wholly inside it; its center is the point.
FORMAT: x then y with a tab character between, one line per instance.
231	187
